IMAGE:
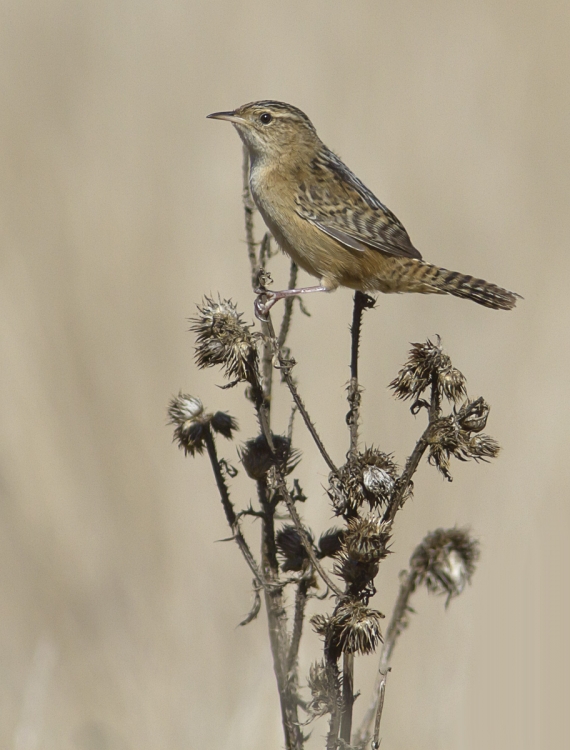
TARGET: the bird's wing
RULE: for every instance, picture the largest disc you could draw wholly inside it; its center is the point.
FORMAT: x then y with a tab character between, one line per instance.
337	203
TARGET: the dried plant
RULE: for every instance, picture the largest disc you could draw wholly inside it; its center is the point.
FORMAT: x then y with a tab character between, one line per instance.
366	493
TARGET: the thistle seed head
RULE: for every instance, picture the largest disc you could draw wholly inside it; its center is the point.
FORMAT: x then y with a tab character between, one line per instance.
222	338
445	561
366	539
257	457
428	365
353	628
330	542
291	548
446	438
193	422
324	686
472	416
358	575
370	477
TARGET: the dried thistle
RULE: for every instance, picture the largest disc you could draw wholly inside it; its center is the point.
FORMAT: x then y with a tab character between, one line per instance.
258	458
366	539
324	685
223	424
192	423
330	542
292	549
428	365
472	416
353	628
369	477
445	561
364	545
222	338
446	438
358	575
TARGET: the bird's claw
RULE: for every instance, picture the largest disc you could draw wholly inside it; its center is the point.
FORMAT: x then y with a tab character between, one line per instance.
263	304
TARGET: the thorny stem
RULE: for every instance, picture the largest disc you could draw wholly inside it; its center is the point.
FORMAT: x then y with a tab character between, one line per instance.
229	510
287	315
268	520
396	625
334	722
361	302
413	461
286	496
286	370
267	357
277	621
406	477
300	603
347	696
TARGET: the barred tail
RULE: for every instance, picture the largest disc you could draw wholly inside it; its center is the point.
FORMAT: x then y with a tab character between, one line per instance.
461	285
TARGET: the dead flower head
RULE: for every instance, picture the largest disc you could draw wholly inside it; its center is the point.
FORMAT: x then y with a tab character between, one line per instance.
366	539
222	338
257	457
353	628
369	477
330	542
193	423
445	561
428	365
292	549
447	438
364	544
472	416
324	686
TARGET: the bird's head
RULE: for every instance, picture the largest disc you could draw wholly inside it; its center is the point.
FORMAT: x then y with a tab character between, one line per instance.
271	129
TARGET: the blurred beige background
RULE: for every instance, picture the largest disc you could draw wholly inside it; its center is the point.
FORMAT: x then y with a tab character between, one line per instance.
120	207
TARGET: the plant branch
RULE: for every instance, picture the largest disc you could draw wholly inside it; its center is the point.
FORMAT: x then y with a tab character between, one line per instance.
286	496
361	302
347	696
287	315
277	624
267	356
334	722
286	370
395	627
405	479
268	521
413	461
228	507
300	603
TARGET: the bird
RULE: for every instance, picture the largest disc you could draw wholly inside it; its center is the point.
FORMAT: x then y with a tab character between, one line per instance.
328	222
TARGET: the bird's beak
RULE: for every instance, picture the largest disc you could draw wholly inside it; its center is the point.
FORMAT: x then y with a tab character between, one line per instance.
229	116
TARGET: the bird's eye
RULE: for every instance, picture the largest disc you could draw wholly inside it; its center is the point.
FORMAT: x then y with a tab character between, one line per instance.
265	118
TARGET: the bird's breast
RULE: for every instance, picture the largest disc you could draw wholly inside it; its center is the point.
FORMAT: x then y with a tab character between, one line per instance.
312	249
274	196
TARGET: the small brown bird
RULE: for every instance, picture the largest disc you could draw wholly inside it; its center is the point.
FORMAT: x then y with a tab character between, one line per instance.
328	222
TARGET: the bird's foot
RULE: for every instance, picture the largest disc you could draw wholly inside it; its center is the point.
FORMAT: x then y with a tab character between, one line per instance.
263	303
266	299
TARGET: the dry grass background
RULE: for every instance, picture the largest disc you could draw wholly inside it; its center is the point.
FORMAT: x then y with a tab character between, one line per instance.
120	207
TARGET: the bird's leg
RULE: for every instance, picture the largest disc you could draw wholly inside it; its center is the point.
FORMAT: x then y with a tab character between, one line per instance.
263	306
